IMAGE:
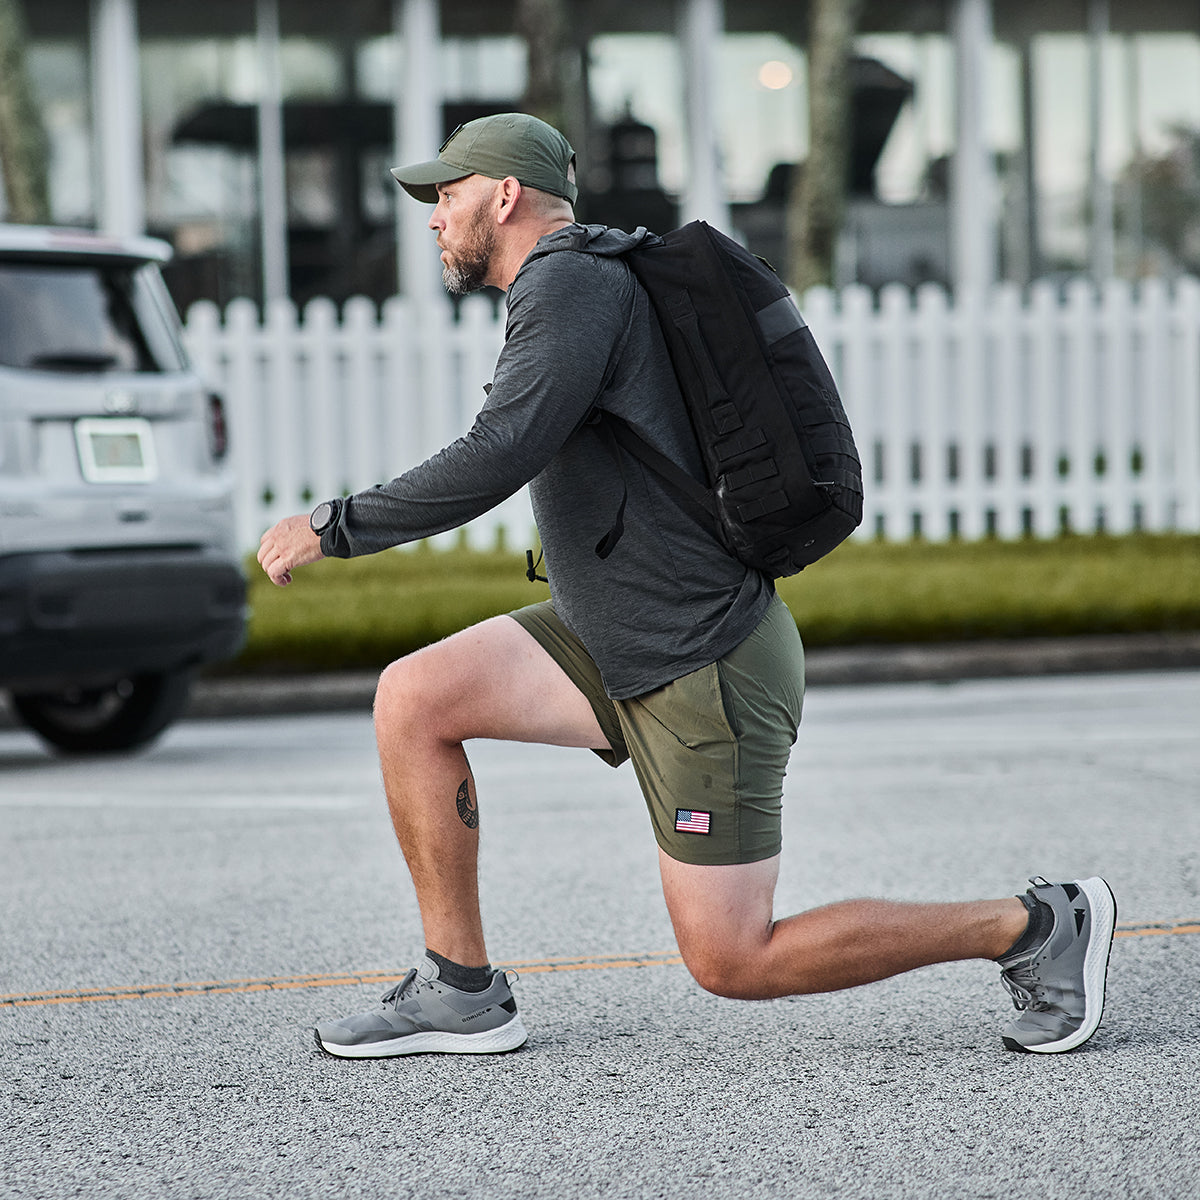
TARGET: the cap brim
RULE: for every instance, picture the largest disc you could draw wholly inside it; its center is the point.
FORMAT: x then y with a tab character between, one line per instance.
420	180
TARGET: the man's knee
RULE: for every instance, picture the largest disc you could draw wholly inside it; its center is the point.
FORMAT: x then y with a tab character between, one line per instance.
722	916
442	690
724	970
405	694
710	970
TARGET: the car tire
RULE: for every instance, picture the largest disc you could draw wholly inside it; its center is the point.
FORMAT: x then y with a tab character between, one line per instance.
117	717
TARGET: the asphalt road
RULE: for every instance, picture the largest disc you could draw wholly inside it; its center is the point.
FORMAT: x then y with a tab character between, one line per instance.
174	923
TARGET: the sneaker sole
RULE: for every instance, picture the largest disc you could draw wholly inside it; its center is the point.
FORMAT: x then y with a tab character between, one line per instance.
1095	969
489	1041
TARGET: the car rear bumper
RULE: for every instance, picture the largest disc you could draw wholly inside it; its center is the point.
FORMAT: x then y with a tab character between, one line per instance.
81	617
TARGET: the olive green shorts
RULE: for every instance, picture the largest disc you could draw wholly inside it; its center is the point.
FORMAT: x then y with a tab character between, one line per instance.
710	749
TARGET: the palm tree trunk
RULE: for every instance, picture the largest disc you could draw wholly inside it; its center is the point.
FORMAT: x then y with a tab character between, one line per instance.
23	154
543	25
817	199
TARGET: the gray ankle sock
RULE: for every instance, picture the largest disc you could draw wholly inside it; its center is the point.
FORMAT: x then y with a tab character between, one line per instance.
1041	925
465	979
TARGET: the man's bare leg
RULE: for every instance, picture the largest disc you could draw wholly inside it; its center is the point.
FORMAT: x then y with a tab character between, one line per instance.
723	919
491	681
495	681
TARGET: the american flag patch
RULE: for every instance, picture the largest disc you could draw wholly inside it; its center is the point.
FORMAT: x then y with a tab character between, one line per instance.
688	820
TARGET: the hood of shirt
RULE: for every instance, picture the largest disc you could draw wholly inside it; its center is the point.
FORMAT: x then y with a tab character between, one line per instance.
592	239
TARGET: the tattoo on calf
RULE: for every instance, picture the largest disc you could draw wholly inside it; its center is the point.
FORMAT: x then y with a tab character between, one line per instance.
468	813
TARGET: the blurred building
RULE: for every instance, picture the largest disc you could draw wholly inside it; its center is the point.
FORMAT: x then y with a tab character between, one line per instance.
1017	140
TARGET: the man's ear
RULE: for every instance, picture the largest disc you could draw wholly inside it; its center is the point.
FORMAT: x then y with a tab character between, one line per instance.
507	195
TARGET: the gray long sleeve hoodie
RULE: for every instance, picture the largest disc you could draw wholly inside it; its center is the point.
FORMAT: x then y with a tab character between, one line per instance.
580	334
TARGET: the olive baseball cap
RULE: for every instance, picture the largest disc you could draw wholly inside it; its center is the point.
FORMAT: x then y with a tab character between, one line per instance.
515	144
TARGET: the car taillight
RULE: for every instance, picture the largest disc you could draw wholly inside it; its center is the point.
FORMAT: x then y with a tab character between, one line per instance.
218	427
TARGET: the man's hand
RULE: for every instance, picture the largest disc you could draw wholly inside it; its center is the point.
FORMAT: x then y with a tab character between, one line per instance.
288	545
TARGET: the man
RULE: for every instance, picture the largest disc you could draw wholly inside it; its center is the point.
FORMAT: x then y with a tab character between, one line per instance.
669	652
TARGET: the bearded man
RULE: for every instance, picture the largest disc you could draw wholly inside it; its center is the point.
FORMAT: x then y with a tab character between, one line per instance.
669	652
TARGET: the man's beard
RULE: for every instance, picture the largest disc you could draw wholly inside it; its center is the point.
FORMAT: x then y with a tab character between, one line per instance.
467	269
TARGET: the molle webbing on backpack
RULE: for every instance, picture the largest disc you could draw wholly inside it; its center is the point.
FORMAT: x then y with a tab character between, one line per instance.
785	482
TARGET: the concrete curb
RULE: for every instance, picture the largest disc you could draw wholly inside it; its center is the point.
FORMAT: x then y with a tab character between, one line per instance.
827	667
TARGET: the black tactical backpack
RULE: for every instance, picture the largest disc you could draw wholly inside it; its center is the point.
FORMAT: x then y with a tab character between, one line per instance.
785	482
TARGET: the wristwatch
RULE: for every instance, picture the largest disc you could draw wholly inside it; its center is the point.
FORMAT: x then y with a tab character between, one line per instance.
324	516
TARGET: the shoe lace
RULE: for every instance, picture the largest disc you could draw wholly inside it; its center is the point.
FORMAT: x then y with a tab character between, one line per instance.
1021	980
397	993
1022	985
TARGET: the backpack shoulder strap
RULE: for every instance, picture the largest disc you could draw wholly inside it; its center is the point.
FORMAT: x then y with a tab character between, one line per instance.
616	433
627	437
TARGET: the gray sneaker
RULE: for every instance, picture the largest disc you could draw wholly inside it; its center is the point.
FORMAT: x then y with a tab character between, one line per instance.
1058	987
423	1015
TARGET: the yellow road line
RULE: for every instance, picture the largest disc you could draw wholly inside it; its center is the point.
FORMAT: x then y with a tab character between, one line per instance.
1158	927
218	987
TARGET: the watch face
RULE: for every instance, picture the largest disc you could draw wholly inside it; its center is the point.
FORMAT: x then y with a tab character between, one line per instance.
321	517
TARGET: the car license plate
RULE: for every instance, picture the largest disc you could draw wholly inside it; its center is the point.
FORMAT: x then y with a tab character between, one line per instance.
116	450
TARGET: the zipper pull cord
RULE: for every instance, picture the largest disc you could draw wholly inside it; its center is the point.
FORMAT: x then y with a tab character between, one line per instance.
531	567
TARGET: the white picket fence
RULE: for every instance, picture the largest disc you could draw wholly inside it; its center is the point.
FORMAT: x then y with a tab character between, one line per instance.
1007	414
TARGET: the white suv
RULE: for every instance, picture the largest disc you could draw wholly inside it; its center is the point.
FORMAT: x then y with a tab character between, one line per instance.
119	570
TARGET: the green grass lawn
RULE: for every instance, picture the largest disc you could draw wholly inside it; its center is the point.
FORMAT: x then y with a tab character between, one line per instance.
362	613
